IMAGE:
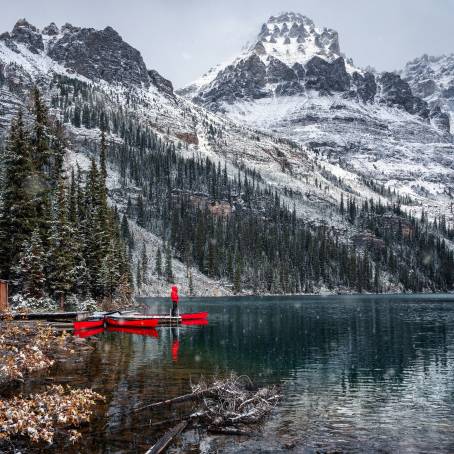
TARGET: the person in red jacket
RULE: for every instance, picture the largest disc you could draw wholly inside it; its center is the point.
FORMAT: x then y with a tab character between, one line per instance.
174	298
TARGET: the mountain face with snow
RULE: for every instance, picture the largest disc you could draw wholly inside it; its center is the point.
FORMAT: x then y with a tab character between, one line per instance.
291	56
432	79
94	54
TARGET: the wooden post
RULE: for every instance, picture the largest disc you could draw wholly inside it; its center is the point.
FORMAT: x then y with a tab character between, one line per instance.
3	295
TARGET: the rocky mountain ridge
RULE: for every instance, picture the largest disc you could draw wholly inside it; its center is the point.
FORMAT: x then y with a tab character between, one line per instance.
94	54
290	56
432	79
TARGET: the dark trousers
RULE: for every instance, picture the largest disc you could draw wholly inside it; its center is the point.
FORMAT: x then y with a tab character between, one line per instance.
174	308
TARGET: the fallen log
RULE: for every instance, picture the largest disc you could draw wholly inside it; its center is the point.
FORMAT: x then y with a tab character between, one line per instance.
167	438
179	399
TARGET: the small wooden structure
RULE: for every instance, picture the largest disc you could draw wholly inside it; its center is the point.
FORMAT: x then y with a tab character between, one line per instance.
3	295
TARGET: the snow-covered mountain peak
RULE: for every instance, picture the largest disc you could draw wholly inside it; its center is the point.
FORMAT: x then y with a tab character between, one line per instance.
289	55
294	38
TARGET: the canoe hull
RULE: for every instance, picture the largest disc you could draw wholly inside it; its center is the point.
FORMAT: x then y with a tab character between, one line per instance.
88	324
194	316
132	322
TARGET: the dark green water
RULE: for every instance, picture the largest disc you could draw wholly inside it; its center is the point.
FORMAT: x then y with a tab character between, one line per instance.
358	374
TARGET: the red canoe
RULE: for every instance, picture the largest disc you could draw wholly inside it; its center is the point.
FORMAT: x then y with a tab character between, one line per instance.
199	322
139	331
132	321
89	332
89	324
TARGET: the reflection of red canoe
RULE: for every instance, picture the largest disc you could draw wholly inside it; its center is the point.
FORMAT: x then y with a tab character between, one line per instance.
89	332
140	331
89	324
201	322
132	321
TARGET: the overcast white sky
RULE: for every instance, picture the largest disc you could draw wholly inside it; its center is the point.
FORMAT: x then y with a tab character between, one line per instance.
183	38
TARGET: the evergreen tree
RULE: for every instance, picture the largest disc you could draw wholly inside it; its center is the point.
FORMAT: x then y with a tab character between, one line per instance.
158	265
144	262
61	259
237	276
168	267
140	212
139	275
191	284
30	270
18	213
103	156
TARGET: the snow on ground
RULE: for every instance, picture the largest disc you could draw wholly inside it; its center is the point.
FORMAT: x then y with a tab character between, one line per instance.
400	150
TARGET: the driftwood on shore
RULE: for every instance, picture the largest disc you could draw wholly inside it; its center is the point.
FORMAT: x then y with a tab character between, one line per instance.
234	405
176	400
229	406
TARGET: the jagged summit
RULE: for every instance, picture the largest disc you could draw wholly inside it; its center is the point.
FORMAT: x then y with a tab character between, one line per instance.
294	57
94	54
294	38
289	55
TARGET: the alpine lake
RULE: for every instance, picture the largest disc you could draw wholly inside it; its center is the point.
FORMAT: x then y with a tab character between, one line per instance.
357	374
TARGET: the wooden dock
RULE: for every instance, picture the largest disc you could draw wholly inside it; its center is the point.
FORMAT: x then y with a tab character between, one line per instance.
48	316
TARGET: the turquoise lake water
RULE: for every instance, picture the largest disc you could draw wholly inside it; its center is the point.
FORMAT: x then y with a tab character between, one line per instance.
357	374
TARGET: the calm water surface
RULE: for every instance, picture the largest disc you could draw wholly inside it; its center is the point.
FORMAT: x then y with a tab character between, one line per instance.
358	374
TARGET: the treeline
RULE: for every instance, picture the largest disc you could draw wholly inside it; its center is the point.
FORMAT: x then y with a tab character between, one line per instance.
58	236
